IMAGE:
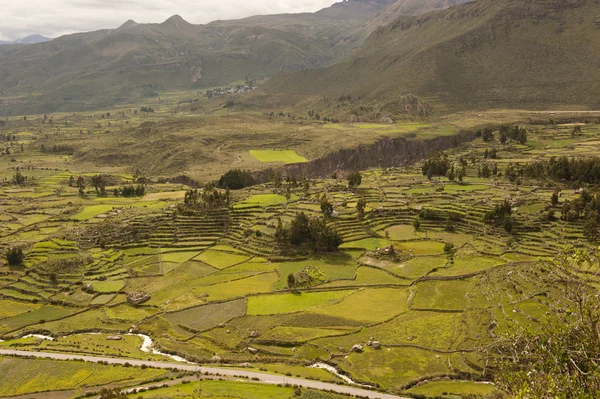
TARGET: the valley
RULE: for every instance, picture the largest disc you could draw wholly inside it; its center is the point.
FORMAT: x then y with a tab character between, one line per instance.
388	199
215	280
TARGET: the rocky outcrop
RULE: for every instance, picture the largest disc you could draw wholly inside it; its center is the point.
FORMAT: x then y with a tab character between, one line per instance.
137	298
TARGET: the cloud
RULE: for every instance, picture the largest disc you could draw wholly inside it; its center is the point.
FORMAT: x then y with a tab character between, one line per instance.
58	17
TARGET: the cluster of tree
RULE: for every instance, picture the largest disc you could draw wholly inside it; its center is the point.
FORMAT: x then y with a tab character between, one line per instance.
354	180
147	110
486	171
209	197
486	134
568	169
130	190
506	132
436	165
493	154
19	178
516	133
99	183
308	232
8	137
236	179
14	256
57	149
345	98
586	207
501	215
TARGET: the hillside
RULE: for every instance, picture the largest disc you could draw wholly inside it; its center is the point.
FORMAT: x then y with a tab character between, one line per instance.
509	53
136	61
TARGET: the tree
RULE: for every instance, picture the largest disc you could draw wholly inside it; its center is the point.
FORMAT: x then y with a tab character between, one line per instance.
554	199
99	183
417	223
448	247
14	256
291	280
18	178
71	181
449	225
354	180
590	228
326	207
451	175
360	207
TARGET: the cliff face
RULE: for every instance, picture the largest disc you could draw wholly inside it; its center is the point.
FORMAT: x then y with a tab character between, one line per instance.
385	153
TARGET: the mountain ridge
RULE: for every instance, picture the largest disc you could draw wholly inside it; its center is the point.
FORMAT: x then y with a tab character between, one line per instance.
501	53
85	71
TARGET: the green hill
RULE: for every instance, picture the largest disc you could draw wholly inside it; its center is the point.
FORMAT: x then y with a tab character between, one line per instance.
485	54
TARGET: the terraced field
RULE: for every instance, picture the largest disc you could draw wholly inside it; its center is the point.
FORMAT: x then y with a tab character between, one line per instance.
216	280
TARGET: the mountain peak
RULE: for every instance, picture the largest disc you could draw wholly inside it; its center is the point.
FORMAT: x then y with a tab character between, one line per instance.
130	23
176	21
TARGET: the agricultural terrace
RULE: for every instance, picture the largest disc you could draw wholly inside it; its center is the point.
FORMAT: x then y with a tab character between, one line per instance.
429	273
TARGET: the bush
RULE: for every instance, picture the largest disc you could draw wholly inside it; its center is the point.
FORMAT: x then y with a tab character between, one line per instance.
14	256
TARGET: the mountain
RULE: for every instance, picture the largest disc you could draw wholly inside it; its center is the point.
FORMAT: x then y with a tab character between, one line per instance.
101	68
31	39
488	53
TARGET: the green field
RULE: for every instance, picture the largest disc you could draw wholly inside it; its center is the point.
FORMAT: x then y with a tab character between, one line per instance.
284	156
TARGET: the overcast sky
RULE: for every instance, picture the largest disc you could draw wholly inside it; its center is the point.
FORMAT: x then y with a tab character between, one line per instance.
19	18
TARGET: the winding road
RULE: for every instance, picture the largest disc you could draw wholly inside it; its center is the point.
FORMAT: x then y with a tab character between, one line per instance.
254	376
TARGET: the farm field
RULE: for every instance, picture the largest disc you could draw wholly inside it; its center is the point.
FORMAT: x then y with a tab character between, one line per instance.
420	282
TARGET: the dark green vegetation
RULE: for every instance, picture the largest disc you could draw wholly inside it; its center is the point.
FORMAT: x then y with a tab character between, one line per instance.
136	62
484	54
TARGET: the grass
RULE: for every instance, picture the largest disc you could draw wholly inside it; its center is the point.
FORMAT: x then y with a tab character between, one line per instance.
220	259
92	211
294	302
107	286
369	305
43	314
284	156
261	283
402	365
370	244
23	376
442	295
261	200
207	316
220	389
11	308
299	334
437	388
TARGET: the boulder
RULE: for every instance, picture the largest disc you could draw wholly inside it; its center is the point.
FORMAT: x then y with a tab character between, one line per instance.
357	348
254	334
216	358
114	338
253	351
376	344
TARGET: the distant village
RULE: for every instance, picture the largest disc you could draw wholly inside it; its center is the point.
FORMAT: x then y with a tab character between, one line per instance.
237	89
